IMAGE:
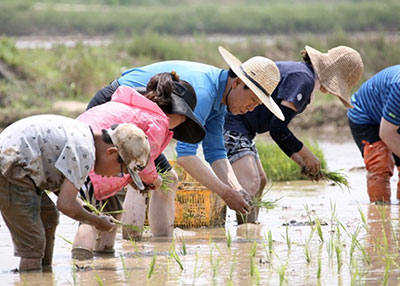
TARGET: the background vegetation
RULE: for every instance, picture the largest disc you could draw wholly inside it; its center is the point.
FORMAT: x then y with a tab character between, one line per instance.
280	167
21	17
145	31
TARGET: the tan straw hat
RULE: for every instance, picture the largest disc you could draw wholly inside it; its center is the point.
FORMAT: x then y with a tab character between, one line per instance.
133	148
260	74
338	70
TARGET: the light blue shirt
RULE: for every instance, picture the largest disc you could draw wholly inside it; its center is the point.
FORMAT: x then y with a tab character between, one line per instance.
209	83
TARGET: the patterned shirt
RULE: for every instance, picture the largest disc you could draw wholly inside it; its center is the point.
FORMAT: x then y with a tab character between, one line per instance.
209	83
378	97
47	148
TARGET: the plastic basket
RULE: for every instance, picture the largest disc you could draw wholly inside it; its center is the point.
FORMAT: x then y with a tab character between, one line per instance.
195	205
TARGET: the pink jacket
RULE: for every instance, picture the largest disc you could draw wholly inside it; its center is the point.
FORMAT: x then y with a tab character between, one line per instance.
129	106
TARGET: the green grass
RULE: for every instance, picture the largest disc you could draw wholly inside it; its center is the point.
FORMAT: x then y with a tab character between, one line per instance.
43	76
21	17
279	167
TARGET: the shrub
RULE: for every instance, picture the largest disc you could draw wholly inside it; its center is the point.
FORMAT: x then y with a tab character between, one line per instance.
280	167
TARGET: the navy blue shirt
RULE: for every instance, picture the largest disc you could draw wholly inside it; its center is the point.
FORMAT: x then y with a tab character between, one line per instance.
296	85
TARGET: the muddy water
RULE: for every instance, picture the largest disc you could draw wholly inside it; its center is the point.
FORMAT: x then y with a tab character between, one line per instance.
208	260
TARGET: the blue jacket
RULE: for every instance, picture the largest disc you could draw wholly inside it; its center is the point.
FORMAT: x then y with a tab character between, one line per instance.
209	83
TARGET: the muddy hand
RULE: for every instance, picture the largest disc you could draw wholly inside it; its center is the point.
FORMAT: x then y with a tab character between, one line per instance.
105	223
237	202
306	171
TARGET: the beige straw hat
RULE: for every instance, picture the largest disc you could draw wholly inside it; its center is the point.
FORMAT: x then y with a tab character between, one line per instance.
260	74
338	70
133	148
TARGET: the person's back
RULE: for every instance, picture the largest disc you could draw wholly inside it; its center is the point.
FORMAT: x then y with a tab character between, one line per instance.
205	79
127	105
377	96
48	148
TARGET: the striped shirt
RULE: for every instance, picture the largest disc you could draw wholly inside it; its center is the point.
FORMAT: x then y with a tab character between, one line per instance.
378	97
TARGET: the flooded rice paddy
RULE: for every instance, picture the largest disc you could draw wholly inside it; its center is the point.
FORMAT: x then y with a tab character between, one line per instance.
347	242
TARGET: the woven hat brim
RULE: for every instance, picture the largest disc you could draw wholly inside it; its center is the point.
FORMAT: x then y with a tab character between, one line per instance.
191	130
340	90
234	63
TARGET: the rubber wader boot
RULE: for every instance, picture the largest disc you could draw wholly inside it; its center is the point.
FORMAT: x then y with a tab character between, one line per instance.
379	163
398	184
82	256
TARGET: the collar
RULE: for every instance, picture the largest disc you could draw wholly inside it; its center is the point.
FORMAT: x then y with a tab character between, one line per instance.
223	81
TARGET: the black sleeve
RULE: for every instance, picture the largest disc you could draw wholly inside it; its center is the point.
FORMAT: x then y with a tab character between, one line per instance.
281	134
102	96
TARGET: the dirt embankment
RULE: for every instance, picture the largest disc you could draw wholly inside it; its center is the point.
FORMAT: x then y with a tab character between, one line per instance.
332	115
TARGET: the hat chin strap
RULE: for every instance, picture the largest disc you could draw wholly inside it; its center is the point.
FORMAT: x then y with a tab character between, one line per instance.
226	99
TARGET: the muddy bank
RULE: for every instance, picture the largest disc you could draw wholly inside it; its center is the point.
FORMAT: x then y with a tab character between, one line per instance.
329	115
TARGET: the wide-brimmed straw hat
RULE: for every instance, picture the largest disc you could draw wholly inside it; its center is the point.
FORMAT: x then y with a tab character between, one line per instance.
133	148
260	74
338	70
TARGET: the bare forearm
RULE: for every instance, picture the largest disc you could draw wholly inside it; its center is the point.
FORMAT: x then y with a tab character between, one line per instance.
224	171
76	211
393	143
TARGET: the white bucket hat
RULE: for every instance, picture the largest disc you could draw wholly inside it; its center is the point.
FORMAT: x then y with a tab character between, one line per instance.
133	148
338	70
260	74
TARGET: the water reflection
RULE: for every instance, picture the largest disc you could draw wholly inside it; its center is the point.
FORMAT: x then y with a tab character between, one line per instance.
266	254
382	244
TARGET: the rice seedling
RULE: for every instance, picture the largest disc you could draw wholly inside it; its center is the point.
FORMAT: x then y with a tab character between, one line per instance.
336	177
287	238
270	242
354	273
166	182
363	218
183	245
232	269
354	243
307	252
114	220
65	239
228	238
127	273
152	265
282	274
308	213
319	263
388	266
252	254
333	212
74	274
97	277
263	203
319	229
338	250
382	212
330	246
174	255
215	264
197	271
